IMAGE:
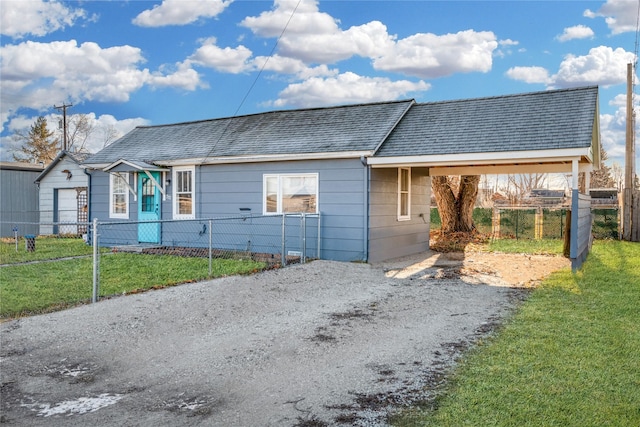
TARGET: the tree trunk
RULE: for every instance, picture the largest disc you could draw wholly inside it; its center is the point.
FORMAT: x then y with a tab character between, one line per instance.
456	202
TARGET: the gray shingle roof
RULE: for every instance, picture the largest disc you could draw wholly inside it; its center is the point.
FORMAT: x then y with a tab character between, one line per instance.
554	119
320	130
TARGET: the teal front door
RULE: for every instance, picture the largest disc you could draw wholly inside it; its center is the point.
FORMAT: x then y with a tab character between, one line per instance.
148	208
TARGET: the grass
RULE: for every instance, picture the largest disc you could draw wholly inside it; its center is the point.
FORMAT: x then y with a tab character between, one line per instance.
46	248
569	357
528	246
48	286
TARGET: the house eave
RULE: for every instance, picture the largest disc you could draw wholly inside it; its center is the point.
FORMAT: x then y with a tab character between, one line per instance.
264	158
484	159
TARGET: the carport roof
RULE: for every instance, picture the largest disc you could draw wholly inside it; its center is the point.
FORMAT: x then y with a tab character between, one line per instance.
538	126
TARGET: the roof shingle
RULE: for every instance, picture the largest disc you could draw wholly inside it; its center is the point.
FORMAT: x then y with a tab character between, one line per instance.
554	119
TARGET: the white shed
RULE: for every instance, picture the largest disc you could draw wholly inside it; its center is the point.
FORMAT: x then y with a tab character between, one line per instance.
63	191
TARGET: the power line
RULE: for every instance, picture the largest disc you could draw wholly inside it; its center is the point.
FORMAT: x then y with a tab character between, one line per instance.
246	95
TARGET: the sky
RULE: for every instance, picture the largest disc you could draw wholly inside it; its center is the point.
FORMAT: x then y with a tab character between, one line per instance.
128	63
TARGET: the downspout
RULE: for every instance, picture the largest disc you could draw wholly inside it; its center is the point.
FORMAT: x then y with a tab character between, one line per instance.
88	202
365	211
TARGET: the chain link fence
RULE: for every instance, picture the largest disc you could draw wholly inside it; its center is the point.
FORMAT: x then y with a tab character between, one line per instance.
535	223
114	258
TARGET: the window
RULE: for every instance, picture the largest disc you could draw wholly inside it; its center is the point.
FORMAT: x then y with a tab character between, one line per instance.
290	193
119	195
404	194
183	193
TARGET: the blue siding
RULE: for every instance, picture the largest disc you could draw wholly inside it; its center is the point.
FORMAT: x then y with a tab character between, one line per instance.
223	190
388	237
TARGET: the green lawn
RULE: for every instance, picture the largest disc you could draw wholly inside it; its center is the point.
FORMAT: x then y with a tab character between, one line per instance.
569	357
47	286
46	248
527	246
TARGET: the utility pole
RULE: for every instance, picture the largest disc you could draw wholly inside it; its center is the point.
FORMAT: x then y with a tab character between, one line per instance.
64	107
630	159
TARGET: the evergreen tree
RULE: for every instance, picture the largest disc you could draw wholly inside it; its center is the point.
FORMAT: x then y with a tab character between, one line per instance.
602	178
39	145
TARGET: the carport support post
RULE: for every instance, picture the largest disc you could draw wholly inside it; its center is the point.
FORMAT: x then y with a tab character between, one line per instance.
575	194
96	261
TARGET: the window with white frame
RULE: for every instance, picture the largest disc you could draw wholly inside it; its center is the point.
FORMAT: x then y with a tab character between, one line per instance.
404	193
184	192
290	193
119	195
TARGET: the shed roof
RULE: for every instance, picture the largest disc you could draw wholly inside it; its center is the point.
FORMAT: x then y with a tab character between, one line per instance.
76	157
357	129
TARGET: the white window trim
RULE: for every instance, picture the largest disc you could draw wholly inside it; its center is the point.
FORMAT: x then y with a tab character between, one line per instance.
174	196
400	192
112	214
279	176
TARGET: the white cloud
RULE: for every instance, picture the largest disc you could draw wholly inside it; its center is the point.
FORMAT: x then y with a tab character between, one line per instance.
315	37
602	66
291	66
620	15
228	60
368	40
529	74
35	75
184	77
36	17
431	56
575	32
346	88
180	12
307	19
613	128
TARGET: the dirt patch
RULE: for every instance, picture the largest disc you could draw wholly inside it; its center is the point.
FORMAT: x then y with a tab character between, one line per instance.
521	270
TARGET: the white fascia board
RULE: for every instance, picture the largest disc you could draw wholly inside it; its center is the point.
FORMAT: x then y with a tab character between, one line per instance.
560	167
94	166
489	158
136	166
264	158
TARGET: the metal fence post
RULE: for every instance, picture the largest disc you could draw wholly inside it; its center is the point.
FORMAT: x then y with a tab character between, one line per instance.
96	261
210	248
318	250
283	255
303	237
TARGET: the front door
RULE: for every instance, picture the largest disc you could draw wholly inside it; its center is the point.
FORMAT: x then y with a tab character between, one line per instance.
148	208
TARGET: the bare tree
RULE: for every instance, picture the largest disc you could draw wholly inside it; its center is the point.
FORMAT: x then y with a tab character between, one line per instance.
617	172
79	130
521	184
109	134
38	145
456	198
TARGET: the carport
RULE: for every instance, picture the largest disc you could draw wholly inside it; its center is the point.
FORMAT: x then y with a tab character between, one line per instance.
554	131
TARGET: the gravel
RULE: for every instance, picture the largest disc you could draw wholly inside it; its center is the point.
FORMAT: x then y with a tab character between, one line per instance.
320	344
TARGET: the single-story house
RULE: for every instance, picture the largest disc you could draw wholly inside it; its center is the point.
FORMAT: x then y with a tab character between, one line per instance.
366	168
19	198
63	191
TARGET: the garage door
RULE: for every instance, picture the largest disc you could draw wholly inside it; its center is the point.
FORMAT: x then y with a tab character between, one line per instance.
67	210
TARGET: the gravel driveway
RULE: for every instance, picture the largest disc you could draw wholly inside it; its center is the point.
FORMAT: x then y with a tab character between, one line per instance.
325	343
